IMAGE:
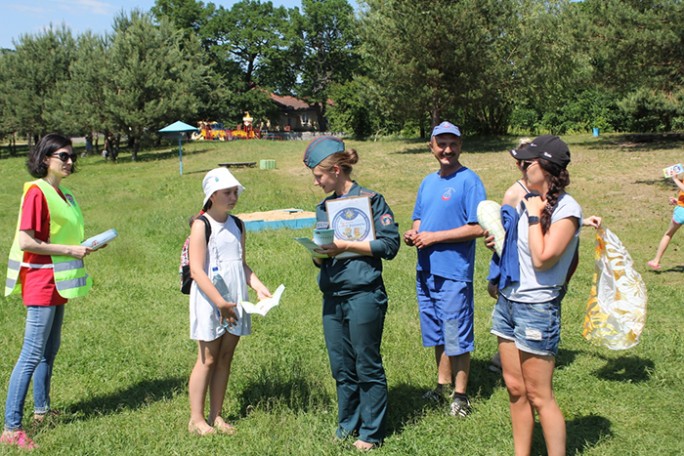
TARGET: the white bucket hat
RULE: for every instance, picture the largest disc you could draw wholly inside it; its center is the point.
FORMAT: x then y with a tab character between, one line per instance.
218	179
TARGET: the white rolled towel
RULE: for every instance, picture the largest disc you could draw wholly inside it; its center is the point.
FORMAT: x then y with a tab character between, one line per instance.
489	218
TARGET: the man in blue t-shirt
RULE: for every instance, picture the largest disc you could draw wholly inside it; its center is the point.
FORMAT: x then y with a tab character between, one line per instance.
444	231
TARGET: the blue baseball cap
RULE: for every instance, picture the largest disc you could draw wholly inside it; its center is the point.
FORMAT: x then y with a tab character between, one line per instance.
446	127
321	148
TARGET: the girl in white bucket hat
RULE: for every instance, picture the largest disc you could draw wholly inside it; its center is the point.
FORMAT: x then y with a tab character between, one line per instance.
220	278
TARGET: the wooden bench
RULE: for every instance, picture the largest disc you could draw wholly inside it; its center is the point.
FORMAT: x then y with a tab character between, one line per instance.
239	164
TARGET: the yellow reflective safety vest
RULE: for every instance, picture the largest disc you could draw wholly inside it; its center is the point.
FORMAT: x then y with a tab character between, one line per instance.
66	227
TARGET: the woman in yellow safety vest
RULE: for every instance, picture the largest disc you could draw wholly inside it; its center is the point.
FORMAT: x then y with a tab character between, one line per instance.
46	266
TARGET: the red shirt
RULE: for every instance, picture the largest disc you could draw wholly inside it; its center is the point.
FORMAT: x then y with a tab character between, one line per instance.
38	285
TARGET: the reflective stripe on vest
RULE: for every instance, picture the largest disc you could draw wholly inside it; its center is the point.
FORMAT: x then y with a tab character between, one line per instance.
66	227
12	274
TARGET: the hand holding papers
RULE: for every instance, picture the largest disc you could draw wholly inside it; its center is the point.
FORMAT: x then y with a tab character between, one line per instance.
262	307
350	219
311	246
100	240
673	170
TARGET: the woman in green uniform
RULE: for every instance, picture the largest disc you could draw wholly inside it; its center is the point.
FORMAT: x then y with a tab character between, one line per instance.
354	296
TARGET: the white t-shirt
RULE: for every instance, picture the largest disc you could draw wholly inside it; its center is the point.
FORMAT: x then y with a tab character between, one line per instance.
543	286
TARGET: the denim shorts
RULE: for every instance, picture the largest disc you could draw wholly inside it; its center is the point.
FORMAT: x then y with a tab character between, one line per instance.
535	328
446	311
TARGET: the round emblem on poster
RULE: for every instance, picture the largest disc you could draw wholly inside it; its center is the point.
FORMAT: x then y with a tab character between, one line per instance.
351	224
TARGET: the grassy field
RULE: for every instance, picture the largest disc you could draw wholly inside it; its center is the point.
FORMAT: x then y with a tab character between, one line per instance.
121	376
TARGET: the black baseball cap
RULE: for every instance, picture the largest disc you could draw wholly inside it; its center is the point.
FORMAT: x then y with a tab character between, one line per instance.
548	147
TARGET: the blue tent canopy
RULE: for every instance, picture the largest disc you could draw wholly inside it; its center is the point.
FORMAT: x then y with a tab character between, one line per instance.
178	128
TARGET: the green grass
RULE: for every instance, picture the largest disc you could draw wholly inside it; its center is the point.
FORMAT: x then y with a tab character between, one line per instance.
121	375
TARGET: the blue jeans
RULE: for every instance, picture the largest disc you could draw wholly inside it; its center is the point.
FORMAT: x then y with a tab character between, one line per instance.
41	344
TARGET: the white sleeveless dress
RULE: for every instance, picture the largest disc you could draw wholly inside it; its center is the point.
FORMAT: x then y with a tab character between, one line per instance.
224	252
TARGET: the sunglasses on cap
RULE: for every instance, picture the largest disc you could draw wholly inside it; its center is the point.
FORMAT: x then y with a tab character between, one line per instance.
524	164
65	156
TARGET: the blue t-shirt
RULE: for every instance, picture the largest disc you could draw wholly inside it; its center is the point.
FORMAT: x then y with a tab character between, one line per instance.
445	203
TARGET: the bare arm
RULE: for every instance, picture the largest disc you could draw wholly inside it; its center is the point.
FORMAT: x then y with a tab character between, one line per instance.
678	182
546	249
592	221
29	243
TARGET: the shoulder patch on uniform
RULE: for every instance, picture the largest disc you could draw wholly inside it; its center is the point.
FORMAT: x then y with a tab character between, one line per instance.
386	219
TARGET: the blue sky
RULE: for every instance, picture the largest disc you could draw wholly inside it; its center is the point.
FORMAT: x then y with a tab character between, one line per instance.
19	17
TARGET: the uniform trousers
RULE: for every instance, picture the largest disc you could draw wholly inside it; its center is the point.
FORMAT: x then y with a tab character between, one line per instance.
353	326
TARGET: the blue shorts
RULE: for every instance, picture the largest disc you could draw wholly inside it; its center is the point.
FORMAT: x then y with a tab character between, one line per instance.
535	328
446	313
678	215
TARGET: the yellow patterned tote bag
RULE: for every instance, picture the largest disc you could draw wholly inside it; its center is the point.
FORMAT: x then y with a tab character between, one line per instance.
616	310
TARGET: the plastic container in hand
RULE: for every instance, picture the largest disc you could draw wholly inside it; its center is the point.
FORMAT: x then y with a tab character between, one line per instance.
101	239
324	236
489	218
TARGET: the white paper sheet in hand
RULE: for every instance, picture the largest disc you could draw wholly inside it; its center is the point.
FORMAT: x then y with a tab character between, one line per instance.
262	307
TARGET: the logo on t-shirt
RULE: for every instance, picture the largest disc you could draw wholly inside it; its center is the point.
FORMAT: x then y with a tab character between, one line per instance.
448	193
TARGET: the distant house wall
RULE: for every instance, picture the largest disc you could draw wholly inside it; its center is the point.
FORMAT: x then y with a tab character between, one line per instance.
294	115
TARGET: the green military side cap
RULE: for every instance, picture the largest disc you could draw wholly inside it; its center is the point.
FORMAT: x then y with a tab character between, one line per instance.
320	148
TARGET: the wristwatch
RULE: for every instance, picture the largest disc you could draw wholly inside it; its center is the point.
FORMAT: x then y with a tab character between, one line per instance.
532	220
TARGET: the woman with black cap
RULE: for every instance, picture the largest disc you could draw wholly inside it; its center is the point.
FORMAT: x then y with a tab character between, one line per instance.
354	296
527	315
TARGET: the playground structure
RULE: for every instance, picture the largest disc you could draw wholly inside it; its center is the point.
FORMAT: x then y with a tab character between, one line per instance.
216	131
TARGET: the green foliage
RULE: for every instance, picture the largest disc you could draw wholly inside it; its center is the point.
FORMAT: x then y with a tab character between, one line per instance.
79	105
493	66
250	34
653	111
190	15
31	76
152	79
329	39
351	111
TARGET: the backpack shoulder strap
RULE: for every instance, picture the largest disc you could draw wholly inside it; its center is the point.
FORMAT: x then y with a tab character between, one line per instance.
207	228
240	224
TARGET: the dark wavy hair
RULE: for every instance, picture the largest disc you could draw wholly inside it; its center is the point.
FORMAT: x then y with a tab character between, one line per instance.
559	179
47	145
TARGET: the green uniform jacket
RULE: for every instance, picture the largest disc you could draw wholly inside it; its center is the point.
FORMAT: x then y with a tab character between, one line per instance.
340	277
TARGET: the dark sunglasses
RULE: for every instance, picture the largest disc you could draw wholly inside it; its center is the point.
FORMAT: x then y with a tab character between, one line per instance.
65	157
524	164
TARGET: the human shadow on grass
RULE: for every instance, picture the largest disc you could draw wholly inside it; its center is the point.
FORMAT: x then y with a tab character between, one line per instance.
679	269
273	392
408	404
632	369
131	398
583	433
